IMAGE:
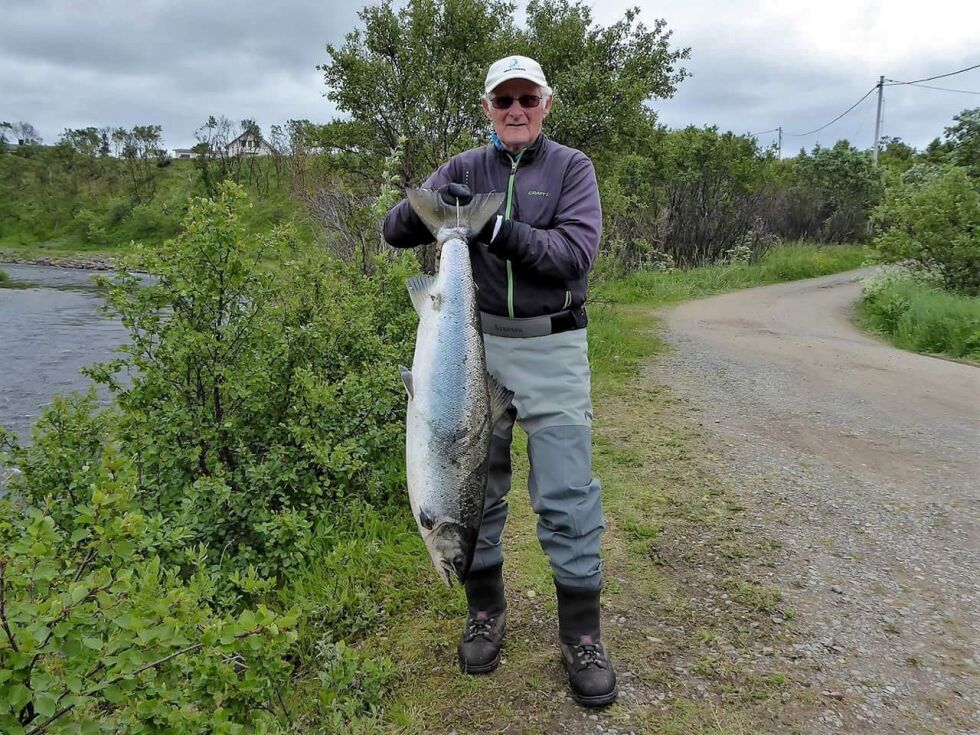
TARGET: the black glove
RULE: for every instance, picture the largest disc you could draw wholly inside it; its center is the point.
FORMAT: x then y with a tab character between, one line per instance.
453	193
494	233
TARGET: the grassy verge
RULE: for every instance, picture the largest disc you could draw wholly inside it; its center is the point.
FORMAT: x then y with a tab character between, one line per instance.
921	318
3	276
687	612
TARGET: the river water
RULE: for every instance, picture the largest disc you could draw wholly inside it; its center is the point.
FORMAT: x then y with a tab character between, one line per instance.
50	328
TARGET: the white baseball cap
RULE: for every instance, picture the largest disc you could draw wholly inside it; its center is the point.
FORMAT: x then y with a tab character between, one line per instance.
515	67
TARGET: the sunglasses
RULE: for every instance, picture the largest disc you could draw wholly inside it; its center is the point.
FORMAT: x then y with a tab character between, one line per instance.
504	101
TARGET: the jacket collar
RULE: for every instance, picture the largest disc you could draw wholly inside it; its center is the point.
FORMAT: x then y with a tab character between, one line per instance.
532	151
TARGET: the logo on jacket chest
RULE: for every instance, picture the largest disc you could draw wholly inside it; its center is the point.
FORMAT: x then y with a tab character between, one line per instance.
537	193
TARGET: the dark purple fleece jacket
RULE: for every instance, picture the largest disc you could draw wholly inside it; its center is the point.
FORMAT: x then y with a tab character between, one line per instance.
540	263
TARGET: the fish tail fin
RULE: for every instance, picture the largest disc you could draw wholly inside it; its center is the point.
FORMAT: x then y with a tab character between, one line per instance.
436	214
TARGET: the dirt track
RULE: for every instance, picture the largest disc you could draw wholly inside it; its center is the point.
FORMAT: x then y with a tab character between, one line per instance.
863	462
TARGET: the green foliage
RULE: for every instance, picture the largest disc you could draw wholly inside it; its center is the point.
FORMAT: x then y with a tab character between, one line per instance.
419	72
932	220
602	76
64	456
963	138
62	195
847	186
98	634
260	396
352	685
684	197
415	73
917	315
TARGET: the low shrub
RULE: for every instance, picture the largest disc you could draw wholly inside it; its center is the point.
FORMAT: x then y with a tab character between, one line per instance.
98	634
931	222
918	315
264	388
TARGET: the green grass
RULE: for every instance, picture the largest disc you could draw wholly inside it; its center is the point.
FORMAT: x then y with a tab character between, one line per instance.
3	276
785	263
921	318
45	211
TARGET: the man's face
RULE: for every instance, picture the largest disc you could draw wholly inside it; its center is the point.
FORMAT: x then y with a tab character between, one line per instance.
517	126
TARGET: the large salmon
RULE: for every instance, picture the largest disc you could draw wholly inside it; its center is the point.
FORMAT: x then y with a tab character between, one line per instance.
452	402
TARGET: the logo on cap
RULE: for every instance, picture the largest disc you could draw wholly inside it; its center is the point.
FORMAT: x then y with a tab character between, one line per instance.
514	63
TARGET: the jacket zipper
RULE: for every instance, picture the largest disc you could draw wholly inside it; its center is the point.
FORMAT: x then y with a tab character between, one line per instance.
507	210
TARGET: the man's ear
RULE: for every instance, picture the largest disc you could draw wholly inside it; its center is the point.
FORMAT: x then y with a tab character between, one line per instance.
547	105
486	107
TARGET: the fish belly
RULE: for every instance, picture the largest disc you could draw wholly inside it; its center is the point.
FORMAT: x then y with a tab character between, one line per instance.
448	423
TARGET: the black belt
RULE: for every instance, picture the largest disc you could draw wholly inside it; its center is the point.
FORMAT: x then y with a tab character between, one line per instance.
535	326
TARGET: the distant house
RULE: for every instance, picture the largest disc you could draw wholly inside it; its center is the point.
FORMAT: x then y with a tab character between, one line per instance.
249	144
246	144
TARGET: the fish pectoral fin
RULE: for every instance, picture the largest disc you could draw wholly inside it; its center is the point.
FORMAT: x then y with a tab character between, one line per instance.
408	381
500	399
419	287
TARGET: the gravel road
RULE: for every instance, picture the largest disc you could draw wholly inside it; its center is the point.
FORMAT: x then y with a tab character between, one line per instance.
862	463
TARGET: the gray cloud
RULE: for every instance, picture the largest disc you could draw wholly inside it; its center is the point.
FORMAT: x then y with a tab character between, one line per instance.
111	62
755	65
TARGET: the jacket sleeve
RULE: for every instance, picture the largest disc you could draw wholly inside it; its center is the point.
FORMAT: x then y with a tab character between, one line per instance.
568	248
402	227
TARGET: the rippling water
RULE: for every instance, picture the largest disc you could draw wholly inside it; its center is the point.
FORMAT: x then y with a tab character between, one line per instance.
50	328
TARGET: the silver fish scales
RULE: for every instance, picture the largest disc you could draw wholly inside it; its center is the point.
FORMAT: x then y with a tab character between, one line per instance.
453	403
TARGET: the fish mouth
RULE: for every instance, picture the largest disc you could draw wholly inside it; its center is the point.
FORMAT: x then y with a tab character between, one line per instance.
456	569
452	547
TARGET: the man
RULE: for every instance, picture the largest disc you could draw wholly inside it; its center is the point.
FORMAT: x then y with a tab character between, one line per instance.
531	267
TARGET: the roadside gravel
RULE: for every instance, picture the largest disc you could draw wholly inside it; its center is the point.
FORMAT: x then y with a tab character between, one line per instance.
862	463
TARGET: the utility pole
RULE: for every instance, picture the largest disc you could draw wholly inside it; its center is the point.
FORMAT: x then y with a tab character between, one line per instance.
779	156
881	86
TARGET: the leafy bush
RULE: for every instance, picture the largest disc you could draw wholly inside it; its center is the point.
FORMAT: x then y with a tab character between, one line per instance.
916	314
98	634
264	388
932	221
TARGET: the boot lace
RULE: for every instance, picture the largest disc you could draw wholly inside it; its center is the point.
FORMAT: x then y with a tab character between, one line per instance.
590	654
477	627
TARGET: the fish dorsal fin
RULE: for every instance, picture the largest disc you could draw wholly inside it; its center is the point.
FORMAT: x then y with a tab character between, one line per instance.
419	288
408	381
500	399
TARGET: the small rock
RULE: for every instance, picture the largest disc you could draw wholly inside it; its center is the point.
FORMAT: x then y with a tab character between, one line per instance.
837	590
532	594
767	650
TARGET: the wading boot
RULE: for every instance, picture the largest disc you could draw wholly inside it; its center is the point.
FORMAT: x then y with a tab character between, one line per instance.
479	648
590	674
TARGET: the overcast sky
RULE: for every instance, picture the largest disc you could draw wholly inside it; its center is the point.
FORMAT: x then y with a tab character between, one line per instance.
755	64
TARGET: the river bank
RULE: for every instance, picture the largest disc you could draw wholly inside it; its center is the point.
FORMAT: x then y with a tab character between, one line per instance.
81	261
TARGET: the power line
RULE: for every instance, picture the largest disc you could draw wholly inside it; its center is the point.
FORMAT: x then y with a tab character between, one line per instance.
817	130
942	89
884	83
938	76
